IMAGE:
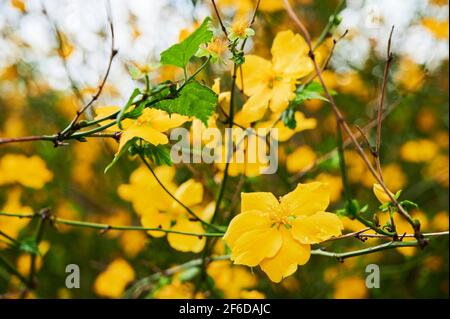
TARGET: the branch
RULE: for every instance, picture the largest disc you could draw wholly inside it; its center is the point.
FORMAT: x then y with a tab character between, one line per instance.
341	120
107	227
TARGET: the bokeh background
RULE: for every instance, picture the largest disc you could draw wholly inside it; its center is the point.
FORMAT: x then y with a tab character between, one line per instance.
38	68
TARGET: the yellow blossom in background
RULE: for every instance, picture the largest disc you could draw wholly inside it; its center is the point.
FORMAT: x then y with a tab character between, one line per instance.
66	47
19	5
272	83
440	221
437	169
393	176
24	260
111	282
230	279
416	151
28	171
157	209
85	156
402	226
302	158
177	290
438	28
133	242
12	226
334	185
409	75
285	133
283	230
351	287
251	294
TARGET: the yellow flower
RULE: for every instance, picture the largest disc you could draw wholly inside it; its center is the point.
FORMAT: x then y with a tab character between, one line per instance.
438	28
285	133
381	194
252	294
150	126
24	260
302	158
277	234
272	83
177	290
28	171
12	226
157	209
334	185
230	279
410	75
437	169
418	151
352	287
132	242
440	221
112	282
66	47
19	5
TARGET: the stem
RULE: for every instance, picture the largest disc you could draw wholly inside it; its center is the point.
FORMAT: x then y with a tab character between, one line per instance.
39	233
189	211
12	270
329	25
106	227
365	251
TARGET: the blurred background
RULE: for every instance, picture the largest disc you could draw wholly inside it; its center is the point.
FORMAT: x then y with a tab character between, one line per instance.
53	54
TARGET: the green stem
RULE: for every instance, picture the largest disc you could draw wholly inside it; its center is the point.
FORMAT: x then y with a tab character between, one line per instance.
189	211
12	270
38	238
365	251
330	24
106	227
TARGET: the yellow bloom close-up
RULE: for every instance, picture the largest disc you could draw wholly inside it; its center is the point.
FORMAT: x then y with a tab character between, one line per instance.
272	83
283	230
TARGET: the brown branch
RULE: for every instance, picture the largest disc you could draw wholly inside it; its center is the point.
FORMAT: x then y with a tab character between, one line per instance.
341	120
95	97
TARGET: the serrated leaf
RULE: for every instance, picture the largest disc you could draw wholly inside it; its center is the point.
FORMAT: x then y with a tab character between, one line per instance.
195	99
130	101
180	53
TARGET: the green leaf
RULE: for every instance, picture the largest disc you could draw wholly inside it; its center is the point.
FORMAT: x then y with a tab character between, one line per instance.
29	245
135	93
159	155
408	203
180	53
135	73
118	156
288	118
313	91
195	99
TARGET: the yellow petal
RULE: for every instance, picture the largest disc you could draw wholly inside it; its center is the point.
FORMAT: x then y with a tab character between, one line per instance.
145	132
316	228
164	121
184	242
259	201
189	193
381	194
301	159
254	69
306	199
290	55
253	246
154	219
244	223
285	262
255	107
282	93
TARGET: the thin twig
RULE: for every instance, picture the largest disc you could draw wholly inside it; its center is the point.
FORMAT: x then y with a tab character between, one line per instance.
342	122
